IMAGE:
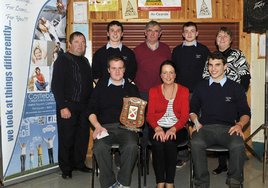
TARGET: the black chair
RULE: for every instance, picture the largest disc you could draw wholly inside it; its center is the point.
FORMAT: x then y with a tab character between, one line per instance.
95	168
214	148
184	143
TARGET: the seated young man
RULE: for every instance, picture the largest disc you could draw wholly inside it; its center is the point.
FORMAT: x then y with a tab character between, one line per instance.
104	112
224	111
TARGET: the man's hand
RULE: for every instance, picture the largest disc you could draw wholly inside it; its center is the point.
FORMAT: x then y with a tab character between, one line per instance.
98	131
65	113
170	134
159	134
236	129
196	127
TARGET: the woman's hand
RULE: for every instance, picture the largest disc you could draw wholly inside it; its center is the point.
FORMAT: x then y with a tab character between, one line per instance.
171	134
159	134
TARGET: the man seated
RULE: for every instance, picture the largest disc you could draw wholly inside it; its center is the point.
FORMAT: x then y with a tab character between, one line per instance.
104	112
223	109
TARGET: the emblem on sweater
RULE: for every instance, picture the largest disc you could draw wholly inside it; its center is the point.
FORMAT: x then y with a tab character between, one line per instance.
228	99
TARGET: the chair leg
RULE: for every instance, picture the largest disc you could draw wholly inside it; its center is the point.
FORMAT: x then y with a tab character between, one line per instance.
191	171
139	168
145	150
93	170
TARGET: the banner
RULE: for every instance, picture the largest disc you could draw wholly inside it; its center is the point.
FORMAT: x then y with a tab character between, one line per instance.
32	36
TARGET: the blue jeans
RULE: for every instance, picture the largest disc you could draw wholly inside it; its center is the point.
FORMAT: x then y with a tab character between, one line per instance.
217	134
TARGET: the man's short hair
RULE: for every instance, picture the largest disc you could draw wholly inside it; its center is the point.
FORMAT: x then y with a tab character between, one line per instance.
225	30
115	58
114	22
75	34
151	24
188	24
217	55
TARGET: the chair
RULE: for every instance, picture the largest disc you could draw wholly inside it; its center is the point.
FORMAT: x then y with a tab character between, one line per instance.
184	143
214	148
114	147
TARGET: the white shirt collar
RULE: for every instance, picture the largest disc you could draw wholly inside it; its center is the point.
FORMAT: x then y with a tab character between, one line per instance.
108	45
222	81
111	82
194	43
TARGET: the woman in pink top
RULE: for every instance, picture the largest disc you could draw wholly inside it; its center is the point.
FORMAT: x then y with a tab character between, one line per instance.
168	112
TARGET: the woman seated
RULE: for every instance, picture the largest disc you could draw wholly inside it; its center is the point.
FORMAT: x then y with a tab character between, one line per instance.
168	112
40	82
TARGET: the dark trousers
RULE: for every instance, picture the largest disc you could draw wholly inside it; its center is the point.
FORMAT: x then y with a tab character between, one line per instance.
73	136
50	156
128	149
210	135
165	156
22	162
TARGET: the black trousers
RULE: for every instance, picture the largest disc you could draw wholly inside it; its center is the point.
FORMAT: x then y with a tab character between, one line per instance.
73	136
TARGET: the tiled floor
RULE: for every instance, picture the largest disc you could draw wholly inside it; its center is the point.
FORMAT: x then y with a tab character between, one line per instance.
253	178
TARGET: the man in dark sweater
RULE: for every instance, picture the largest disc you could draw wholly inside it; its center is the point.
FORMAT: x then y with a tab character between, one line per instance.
113	47
104	112
72	85
224	111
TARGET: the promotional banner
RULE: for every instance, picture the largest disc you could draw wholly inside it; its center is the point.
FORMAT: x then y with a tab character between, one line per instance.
32	37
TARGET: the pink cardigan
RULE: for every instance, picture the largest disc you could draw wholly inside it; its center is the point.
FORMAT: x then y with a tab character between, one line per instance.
158	104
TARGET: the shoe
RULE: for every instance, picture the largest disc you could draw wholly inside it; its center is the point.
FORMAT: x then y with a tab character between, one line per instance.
119	185
219	170
85	169
67	175
180	163
234	186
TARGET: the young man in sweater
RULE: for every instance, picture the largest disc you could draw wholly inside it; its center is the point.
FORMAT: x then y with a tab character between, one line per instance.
224	111
189	58
104	112
113	47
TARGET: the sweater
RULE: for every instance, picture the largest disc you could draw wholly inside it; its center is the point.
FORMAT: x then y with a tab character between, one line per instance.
219	104
106	101
148	62
157	106
190	62
100	57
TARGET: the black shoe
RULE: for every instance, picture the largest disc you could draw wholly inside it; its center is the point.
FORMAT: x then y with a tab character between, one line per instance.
85	169
219	170
67	175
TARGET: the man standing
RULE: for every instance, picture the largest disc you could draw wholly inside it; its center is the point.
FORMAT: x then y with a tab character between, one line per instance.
104	112
113	47
224	111
72	85
189	58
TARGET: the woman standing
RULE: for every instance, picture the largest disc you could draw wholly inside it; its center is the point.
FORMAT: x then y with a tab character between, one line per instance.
168	112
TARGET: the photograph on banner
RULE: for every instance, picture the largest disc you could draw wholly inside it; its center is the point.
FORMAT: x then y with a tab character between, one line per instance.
80	12
39	53
129	9
102	5
159	4
39	79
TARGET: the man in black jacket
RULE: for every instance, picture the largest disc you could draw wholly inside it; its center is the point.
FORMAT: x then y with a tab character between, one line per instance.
72	85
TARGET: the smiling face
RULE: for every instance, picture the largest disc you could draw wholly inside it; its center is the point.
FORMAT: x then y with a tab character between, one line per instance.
115	33
223	40
38	54
168	74
216	69
190	33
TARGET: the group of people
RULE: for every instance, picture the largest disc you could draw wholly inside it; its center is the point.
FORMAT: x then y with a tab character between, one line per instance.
189	82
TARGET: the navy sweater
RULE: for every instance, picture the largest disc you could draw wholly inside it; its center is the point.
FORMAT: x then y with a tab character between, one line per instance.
219	105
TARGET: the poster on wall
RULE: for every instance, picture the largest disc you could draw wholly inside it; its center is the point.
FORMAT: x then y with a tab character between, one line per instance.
102	5
32	37
159	5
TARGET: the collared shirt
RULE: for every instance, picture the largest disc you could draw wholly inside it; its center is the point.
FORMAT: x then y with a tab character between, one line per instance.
194	43
108	45
156	46
222	81
111	82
